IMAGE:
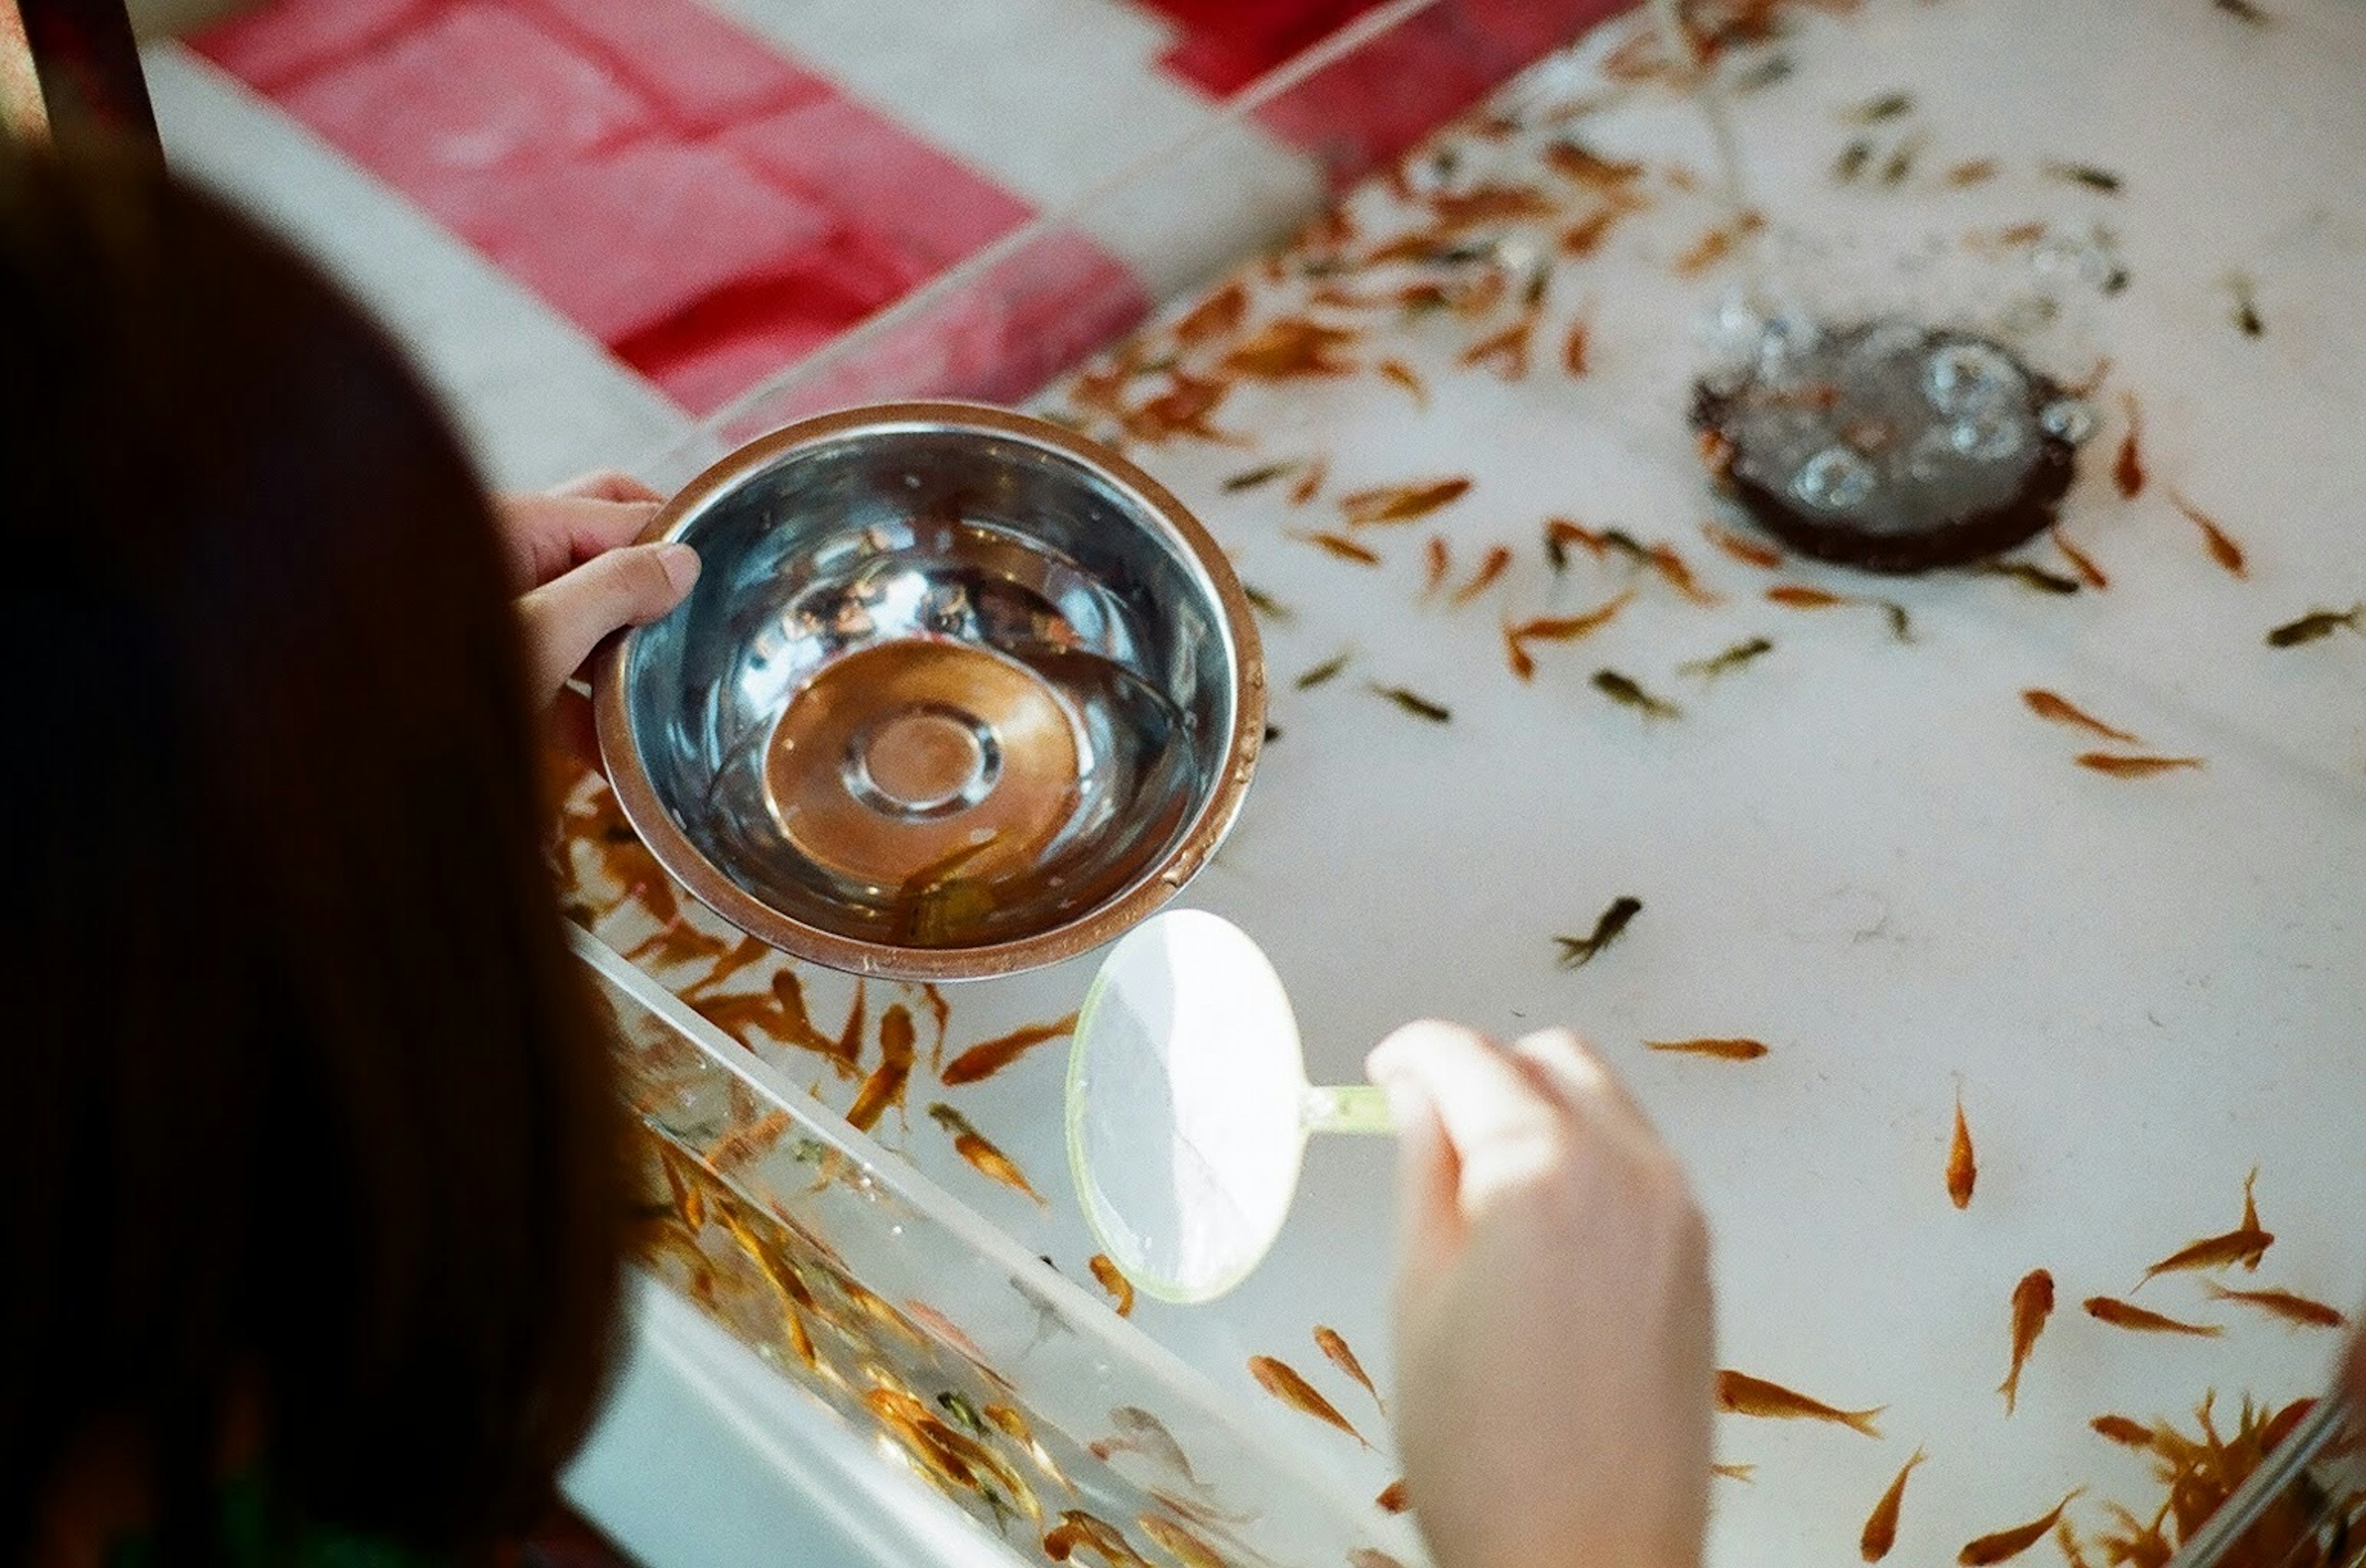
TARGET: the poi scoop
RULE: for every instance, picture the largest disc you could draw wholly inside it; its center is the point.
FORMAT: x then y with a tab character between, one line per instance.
1188	1107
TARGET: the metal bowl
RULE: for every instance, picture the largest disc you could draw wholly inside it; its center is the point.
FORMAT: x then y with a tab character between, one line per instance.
959	694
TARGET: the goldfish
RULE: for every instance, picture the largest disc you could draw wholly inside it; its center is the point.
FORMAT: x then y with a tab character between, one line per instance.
2088	572
2293	1309
1367	1557
1394	1497
1310	483
1734	1050
1333	1345
1220	314
1663	558
1436	561
1339	545
1403	374
2125	1315
1881	1526
2213	1252
1292	347
1280	1380
2128	468
1505	352
1576	952
940	1012
1490	567
1977	171
1105	1270
1742	1473
1963	1168
1567	628
2223	549
1516	654
1574	354
1187	1549
793	1025
1750	552
990	1056
2007	1543
1799	596
1400	504
1415	704
752	1140
1740	1394
2123	1431
974	1147
2134	767
1578	162
2060	710
1584	237
2032	1304
885	1085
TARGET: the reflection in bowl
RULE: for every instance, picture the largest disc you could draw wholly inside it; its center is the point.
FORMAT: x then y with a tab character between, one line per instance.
958	693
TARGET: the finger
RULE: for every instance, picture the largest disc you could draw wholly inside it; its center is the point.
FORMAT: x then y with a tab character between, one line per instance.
608	484
1578	1077
566	617
574	729
1429	1183
1504	1128
546	534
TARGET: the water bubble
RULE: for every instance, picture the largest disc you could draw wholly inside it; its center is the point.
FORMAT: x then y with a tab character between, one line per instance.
1837	479
1787	340
2067	419
1985	436
1933	456
1964	378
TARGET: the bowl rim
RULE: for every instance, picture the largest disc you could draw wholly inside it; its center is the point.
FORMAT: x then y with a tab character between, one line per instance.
628	775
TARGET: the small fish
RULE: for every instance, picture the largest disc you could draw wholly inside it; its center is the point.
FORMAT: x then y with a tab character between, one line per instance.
2246	314
885	1085
1310	483
1265	605
1766	73
990	1056
1108	1276
1750	552
2029	576
2126	1315
2123	1431
1881	1524
1367	1557
1328	670
2223	549
2244	10
2252	1218
1739	1393
2059	710
1394	1497
1708	251
1742	1473
2128	468
2032	1304
1437	560
1575	161
1280	1380
1734	1050
2318	623
1584	237
1256	476
1415	704
2292	1308
2134	767
1291	348
1963	1168
2088	572
2213	1252
1978	171
1888	106
1901	161
953	1403
1566	628
1799	596
1400	504
1853	160
1574	348
1186	1547
2086	175
1733	658
940	1012
1339	544
1220	315
2007	1543
1524	667
1622	690
1335	1350
974	1148
751	1140
849	1038
1490	567
1505	352
1577	951
1663	558
1403	374
1146	1434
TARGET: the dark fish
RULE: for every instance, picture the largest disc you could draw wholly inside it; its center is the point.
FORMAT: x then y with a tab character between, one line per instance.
1622	690
2246	306
2087	174
1888	106
2318	623
2128	468
2029	576
1577	951
1733	658
1323	672
1415	704
1853	160
1265	605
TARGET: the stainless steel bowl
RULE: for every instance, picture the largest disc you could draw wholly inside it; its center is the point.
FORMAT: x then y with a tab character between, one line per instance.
958	693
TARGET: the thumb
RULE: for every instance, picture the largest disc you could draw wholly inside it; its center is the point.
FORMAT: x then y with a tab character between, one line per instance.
1429	1185
566	617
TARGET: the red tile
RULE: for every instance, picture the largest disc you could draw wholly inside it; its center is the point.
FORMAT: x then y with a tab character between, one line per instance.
275	45
879	175
694	68
474	90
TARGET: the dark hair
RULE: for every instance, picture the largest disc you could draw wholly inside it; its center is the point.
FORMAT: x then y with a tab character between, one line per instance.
308	1109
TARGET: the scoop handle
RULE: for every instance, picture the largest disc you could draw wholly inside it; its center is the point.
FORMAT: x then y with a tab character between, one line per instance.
1349	1108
